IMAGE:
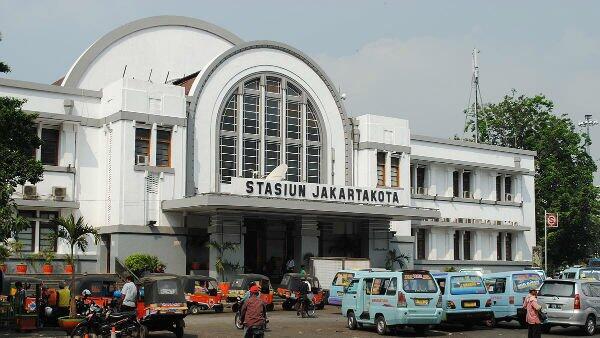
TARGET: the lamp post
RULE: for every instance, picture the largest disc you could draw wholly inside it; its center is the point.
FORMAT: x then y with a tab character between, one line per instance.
587	123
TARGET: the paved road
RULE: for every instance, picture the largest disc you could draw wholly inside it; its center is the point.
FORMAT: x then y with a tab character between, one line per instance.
328	324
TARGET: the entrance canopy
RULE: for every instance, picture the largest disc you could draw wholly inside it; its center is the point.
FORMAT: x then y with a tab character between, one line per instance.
211	202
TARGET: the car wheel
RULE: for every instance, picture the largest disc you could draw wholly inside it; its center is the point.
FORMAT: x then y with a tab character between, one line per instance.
238	321
381	326
590	326
194	310
352	321
491	323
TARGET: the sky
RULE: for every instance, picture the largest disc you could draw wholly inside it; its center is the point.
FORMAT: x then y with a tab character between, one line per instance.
406	59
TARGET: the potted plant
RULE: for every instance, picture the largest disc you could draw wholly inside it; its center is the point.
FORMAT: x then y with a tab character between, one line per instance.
4	254
17	248
221	264
76	233
48	256
69	264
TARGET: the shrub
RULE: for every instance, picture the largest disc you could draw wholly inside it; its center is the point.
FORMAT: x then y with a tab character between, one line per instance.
140	263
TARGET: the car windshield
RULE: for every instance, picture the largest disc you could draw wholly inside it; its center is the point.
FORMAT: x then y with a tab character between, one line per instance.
466	285
589	274
237	283
343	278
557	289
418	283
524	282
167	287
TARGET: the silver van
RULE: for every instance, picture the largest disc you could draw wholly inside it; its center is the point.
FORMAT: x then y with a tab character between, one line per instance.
570	302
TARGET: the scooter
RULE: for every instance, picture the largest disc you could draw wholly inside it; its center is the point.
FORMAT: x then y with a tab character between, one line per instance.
101	322
239	324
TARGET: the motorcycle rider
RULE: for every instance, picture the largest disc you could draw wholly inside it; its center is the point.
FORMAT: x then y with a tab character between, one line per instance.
304	290
254	314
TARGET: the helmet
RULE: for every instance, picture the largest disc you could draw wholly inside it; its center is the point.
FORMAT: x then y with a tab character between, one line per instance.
254	289
48	311
86	292
117	294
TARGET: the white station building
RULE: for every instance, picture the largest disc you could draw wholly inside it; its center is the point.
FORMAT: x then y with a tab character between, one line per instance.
162	133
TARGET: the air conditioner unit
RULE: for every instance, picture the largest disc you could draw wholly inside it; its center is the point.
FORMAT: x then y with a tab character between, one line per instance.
488	221
141	160
468	220
467	194
30	192
446	219
508	197
421	191
461	220
498	222
59	193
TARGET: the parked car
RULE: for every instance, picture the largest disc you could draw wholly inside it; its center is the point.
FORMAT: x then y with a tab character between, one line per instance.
464	298
341	280
391	300
570	303
508	291
581	273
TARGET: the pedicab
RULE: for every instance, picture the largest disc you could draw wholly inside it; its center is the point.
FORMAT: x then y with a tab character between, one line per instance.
25	311
242	282
161	304
289	290
202	293
101	288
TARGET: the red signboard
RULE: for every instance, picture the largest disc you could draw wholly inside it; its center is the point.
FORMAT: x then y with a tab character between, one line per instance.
552	220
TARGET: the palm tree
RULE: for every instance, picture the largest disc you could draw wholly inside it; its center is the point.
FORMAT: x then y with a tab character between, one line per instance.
222	265
75	233
396	258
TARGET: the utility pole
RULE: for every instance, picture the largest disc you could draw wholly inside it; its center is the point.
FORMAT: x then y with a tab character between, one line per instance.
587	123
475	84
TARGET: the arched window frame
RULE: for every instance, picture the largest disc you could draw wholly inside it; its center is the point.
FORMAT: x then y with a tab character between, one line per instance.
285	143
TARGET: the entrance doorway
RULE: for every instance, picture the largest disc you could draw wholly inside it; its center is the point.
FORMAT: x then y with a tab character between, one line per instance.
267	245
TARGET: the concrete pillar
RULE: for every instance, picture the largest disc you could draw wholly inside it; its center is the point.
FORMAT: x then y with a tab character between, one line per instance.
307	239
226	228
461	244
379	242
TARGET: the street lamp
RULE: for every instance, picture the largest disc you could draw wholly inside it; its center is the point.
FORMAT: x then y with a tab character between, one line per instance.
587	123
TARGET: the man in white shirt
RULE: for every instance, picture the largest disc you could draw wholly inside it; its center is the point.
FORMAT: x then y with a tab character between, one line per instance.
129	292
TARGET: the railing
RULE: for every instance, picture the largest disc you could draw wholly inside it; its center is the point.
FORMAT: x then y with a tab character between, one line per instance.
122	271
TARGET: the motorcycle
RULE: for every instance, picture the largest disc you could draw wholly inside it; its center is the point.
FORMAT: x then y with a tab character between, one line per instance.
239	324
101	322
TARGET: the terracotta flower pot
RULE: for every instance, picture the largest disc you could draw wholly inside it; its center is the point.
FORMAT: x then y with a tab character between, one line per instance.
4	267
196	265
69	268
21	269
47	269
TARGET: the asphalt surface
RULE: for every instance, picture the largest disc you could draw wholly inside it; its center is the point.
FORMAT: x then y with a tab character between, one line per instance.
328	323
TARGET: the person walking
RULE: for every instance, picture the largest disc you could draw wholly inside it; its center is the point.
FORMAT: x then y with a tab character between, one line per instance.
532	318
63	299
129	292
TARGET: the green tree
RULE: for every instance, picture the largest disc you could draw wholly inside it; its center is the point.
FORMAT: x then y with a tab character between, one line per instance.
4	68
18	141
563	170
221	264
140	263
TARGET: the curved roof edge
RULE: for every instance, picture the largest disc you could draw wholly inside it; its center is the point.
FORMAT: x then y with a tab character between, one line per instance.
206	73
85	60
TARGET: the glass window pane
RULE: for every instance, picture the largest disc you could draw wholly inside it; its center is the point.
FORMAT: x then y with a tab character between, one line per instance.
293	154
272	156
229	116
250	158
312	124
163	148
26	237
313	166
47	229
252	84
293	120
227	158
49	150
272	117
142	142
381	169
395	171
251	114
293	90
273	85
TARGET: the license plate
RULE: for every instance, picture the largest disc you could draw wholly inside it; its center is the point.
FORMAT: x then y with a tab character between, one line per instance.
554	306
340	293
470	304
421	302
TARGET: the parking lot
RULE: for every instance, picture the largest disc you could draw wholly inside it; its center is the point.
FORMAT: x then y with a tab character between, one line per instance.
328	323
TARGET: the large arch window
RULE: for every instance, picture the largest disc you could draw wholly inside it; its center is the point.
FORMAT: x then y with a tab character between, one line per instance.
266	121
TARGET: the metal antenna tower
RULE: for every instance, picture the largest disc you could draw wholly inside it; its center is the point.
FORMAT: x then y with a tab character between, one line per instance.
587	123
475	87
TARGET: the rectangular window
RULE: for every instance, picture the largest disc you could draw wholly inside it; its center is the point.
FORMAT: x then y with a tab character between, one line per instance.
509	247
251	109
313	166
273	85
312	125
467	245
455	186
228	120
466	184
227	158
456	245
421	234
47	230
163	148
293	120
272	117
499	247
508	188
250	158
392	287
421	171
381	169
498	188
49	150
412	171
293	157
27	236
395	171
272	156
142	144
418	282
466	285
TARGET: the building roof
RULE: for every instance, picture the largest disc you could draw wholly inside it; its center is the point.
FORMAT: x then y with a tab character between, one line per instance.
186	82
